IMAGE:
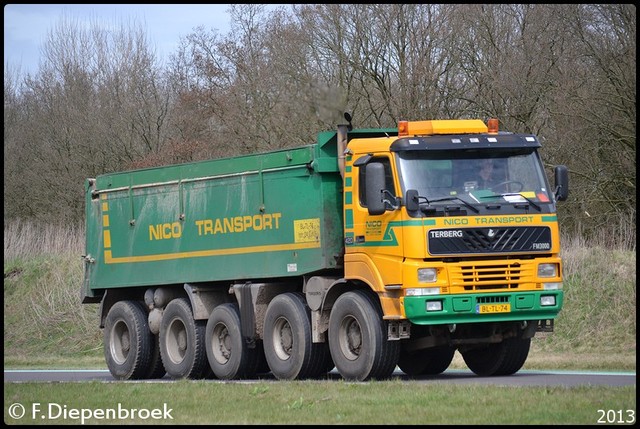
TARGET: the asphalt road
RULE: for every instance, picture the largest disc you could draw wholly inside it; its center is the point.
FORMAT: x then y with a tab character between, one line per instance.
522	378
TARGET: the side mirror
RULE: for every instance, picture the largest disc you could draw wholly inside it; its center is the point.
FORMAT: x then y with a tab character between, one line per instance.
561	182
374	174
411	200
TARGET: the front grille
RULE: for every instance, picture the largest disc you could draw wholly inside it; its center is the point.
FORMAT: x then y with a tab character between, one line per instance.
483	276
492	299
464	241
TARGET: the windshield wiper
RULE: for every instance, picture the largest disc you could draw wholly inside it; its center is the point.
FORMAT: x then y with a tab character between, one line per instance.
529	200
437	200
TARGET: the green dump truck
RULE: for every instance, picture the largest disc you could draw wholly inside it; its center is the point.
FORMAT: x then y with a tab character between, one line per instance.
367	251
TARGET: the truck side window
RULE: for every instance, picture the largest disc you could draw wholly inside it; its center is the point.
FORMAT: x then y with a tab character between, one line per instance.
388	179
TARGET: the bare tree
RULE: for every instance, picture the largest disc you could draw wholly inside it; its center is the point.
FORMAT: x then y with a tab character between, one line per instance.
100	103
595	116
96	103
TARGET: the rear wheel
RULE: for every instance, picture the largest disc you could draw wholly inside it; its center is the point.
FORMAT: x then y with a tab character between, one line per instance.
504	358
287	340
156	368
182	344
228	353
128	343
358	338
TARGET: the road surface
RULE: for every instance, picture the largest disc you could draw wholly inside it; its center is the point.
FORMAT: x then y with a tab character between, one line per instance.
457	376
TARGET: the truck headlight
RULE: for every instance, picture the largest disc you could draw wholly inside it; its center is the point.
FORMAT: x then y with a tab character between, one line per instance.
434	305
427	275
547	270
546	300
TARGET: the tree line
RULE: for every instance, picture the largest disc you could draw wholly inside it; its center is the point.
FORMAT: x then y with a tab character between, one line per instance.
102	100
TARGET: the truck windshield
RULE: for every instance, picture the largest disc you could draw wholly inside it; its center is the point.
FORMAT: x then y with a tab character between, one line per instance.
478	177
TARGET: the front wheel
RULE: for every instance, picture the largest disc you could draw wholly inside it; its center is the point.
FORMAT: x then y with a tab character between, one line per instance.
504	358
358	338
430	361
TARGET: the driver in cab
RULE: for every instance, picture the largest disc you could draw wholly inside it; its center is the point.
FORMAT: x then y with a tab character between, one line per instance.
484	176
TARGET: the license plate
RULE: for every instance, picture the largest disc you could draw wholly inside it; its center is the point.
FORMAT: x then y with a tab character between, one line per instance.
493	308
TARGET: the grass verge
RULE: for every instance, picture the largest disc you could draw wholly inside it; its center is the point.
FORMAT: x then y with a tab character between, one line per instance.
318	402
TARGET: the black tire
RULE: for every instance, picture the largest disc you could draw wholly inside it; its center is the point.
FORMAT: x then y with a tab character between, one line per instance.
127	341
182	344
287	340
156	368
503	358
358	338
228	353
430	361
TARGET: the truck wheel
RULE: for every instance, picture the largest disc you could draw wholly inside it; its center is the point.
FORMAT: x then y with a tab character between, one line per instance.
288	346
503	358
430	361
228	352
127	341
358	338
156	368
182	345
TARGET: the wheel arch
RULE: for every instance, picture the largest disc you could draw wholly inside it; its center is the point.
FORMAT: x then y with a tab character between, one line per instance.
340	287
113	296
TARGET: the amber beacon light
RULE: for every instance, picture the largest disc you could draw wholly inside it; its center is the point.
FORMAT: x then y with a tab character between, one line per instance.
403	128
492	125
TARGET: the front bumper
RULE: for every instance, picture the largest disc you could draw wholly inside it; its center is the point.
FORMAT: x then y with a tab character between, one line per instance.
464	308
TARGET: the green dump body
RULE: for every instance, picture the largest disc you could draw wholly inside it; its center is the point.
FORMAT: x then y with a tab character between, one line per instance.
269	215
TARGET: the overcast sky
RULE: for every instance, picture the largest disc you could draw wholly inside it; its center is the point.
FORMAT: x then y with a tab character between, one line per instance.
27	25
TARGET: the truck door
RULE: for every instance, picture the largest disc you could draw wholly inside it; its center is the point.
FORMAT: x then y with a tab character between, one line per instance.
379	236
